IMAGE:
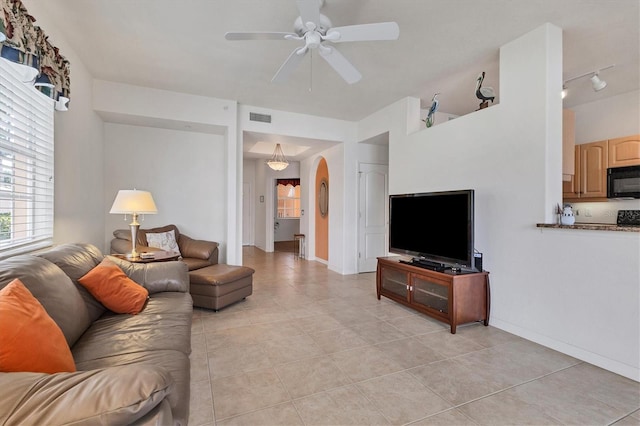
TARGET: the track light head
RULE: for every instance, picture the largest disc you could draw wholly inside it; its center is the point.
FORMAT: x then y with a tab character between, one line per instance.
597	83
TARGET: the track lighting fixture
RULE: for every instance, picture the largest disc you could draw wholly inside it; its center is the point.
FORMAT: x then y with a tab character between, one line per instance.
596	82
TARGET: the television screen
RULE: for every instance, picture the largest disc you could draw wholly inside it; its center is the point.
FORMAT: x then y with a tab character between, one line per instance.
436	226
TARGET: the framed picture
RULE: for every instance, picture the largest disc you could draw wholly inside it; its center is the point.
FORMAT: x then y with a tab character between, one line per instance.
323	198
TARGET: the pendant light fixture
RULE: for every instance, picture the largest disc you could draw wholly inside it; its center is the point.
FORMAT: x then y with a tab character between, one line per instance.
278	161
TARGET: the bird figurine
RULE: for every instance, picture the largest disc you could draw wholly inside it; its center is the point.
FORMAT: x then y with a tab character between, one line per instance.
432	110
485	94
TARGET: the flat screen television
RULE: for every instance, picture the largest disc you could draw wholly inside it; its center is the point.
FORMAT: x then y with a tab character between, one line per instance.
433	226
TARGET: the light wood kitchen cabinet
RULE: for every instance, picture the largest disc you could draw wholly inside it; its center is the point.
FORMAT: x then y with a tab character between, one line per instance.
624	151
591	163
590	178
593	169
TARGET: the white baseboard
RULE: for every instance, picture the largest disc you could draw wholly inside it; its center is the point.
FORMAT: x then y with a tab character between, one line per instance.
612	365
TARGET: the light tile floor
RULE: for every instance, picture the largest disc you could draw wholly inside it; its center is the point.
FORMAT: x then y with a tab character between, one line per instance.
312	347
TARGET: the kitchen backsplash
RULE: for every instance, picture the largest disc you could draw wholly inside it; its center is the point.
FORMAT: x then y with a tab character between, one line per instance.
602	212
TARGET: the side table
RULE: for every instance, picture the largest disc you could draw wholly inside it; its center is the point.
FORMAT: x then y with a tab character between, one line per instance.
158	256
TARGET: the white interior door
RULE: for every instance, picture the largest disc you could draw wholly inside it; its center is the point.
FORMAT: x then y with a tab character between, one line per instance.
373	212
247	234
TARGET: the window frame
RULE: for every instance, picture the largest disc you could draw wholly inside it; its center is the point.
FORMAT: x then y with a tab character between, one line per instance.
286	203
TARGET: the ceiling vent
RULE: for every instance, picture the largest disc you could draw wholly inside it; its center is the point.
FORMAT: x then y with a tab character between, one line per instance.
263	118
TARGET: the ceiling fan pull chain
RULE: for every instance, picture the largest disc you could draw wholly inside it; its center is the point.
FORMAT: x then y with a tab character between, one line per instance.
311	72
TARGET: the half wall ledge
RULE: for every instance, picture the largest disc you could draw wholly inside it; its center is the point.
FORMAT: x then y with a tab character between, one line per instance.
592	227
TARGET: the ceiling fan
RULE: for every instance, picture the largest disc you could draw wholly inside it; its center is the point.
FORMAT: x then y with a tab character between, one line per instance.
315	29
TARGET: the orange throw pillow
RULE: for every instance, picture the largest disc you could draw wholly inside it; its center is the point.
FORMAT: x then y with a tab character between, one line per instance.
29	339
117	292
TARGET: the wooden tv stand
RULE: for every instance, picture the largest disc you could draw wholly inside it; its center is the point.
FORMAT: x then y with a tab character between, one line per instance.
451	297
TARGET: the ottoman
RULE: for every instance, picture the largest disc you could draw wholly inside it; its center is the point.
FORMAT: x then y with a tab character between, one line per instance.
217	286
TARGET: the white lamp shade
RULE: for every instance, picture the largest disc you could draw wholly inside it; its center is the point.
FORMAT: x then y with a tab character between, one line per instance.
129	201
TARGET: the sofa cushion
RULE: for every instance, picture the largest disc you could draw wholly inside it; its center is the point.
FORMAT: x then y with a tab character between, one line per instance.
29	339
53	289
110	396
109	284
163	240
142	233
175	363
198	249
164	324
141	236
76	260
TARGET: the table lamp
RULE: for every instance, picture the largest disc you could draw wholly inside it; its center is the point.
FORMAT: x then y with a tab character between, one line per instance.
133	202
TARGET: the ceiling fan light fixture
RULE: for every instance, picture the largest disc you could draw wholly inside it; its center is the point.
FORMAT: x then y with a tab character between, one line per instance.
597	83
315	29
278	161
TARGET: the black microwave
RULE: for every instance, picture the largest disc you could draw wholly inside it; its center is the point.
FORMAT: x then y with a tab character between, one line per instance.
623	182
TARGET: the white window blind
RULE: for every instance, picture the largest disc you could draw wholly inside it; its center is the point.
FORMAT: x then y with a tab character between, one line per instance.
26	165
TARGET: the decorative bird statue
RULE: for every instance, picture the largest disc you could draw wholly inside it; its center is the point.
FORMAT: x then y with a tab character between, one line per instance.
432	110
485	94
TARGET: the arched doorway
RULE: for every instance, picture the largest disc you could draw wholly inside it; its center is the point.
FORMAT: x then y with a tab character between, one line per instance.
322	211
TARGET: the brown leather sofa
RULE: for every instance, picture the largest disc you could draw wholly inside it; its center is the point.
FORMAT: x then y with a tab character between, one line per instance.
131	369
213	285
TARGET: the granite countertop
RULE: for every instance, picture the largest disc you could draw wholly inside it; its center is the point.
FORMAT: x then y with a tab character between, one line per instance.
592	227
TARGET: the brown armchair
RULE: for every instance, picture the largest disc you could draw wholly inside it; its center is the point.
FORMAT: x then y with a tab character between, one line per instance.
212	285
195	253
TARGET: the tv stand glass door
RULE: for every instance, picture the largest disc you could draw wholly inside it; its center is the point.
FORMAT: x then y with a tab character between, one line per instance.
396	282
431	293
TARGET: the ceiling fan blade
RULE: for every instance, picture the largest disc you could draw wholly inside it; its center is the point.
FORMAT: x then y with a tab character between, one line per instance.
289	65
339	63
256	35
364	32
309	11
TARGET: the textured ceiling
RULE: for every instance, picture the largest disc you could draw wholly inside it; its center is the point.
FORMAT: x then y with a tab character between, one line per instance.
443	45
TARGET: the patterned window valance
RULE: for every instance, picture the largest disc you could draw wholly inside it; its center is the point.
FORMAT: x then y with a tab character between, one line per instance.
26	45
285	182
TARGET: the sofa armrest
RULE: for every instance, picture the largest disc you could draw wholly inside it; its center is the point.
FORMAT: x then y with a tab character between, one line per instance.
198	249
115	395
156	277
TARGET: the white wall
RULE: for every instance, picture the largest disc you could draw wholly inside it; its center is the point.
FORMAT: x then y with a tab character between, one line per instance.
79	205
575	291
186	114
185	172
261	224
608	118
373	154
285	229
249	178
